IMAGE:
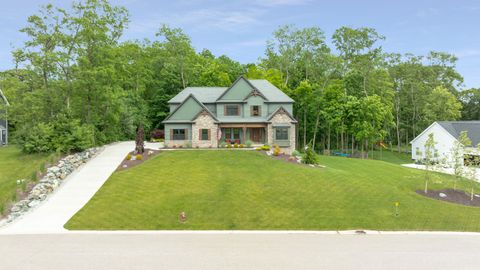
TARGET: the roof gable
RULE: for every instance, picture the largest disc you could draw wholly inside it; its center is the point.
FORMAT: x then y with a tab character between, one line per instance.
281	110
454	128
240	89
188	110
3	98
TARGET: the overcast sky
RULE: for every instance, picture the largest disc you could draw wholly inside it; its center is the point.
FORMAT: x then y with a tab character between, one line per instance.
239	29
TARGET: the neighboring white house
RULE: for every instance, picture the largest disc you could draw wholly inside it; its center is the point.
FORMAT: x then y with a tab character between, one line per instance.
445	133
3	119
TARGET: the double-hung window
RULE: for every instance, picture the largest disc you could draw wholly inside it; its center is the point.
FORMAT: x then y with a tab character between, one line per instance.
255	110
204	134
232	109
179	134
281	133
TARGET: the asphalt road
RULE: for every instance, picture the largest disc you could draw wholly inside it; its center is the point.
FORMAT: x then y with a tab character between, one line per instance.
238	251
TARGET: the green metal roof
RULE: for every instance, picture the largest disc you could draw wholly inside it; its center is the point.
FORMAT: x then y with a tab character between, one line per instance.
203	94
211	94
270	91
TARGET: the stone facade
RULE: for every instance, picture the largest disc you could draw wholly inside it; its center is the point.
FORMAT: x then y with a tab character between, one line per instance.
281	117
204	121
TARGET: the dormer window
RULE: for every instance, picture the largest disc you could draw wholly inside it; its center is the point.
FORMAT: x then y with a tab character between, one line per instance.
232	110
255	110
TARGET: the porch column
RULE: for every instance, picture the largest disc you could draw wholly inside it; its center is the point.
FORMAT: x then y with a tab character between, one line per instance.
244	134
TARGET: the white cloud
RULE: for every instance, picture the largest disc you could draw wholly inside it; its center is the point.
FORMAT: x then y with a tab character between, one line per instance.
467	53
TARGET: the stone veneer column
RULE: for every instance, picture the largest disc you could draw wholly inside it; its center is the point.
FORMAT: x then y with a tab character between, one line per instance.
204	121
283	118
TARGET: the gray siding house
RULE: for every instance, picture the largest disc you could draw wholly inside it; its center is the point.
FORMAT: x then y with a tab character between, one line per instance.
248	110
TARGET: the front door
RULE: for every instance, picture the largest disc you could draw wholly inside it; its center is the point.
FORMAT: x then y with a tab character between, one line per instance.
256	135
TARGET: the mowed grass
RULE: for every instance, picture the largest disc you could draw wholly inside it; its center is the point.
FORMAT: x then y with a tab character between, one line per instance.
15	165
391	156
246	190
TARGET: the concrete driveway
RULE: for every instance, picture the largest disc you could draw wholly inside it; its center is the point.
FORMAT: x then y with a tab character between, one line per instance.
75	192
238	251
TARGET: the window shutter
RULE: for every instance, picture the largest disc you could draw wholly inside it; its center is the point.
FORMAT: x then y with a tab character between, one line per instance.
199	134
251	110
238	110
225	109
209	137
259	110
186	134
171	134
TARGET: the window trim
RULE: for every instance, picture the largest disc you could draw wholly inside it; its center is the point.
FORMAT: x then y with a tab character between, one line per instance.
252	111
207	134
177	130
226	109
277	129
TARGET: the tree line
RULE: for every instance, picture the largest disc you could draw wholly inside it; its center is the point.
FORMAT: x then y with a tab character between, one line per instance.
75	84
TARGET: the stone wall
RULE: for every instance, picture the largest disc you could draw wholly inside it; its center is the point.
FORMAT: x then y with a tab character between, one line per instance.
282	118
50	182
204	121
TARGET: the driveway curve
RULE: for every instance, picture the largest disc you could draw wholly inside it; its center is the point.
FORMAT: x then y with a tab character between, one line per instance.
73	194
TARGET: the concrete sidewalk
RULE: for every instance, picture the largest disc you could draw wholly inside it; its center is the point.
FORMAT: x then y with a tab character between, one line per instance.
75	192
439	169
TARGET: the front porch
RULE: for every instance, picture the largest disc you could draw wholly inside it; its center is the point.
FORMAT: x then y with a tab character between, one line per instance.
241	133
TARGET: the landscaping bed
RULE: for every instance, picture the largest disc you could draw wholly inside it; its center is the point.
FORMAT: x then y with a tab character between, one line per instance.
133	159
452	196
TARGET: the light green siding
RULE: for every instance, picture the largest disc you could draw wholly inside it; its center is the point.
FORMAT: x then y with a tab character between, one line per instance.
251	101
189	109
221	110
212	107
238	91
274	106
168	127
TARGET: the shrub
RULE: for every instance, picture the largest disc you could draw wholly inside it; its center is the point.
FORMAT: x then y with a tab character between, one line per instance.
248	143
229	146
188	145
276	150
241	145
258	149
174	146
129	157
309	157
235	145
223	144
63	134
138	157
296	153
266	147
157	134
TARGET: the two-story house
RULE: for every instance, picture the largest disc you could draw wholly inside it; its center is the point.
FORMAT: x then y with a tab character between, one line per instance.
248	110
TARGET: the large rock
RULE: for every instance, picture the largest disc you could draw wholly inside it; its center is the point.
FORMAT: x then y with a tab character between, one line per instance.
49	183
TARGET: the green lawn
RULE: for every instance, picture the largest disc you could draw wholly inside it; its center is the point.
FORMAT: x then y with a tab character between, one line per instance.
392	157
243	190
15	165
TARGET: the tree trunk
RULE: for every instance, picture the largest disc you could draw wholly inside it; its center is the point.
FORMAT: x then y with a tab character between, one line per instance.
317	121
304	127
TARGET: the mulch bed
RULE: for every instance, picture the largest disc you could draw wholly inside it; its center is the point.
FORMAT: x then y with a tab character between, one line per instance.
132	163
453	196
284	157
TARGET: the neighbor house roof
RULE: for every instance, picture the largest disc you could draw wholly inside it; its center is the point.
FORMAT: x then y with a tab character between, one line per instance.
211	94
456	127
4	98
